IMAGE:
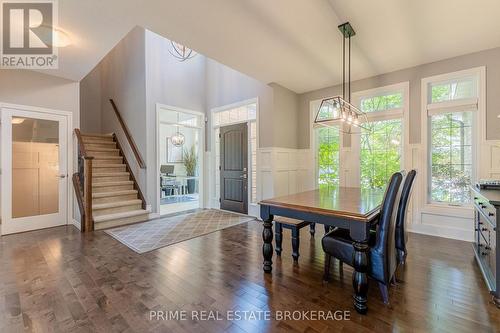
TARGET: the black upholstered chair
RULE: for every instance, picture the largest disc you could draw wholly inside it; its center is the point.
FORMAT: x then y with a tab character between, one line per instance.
401	232
382	253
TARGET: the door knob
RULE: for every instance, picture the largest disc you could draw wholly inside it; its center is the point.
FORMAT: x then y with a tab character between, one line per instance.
243	176
62	176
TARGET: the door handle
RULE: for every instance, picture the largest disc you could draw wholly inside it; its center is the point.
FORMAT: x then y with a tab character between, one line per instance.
243	176
61	176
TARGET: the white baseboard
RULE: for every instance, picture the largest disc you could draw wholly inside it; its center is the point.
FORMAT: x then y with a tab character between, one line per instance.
440	231
76	224
153	216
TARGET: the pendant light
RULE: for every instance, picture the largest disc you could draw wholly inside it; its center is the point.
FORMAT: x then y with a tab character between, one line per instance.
339	108
178	138
181	52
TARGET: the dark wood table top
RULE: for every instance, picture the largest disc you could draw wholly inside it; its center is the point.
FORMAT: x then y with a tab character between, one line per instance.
346	202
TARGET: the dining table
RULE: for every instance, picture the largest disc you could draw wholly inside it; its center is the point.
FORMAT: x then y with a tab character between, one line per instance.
352	208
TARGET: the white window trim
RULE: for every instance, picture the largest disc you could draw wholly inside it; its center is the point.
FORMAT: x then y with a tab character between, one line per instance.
429	109
399	113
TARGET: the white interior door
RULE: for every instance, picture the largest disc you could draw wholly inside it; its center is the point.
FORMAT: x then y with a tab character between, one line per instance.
34	170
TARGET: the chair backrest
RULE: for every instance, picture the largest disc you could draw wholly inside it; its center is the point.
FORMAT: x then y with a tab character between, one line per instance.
384	251
403	209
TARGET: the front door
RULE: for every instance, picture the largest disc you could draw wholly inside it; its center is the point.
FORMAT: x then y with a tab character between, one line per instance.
34	170
233	165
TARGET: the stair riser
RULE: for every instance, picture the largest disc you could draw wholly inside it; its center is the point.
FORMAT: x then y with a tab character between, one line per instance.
103	153
99	212
89	146
110	161
97	180
122	221
114	199
112	188
110	169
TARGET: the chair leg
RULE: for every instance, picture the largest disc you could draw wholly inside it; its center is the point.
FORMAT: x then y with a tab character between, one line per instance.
384	291
295	243
278	231
326	274
327	229
312	229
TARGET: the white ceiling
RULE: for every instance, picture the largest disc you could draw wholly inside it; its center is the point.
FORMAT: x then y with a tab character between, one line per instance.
291	42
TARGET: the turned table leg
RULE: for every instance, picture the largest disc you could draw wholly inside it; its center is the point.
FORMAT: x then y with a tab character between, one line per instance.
267	247
360	278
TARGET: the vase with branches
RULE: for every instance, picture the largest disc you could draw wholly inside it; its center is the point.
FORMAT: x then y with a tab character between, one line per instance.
190	160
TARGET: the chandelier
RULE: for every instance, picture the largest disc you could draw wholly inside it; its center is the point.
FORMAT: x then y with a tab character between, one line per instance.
181	52
339	108
178	138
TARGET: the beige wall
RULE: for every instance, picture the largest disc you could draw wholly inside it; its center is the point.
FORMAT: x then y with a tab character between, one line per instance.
488	58
284	118
90	102
40	90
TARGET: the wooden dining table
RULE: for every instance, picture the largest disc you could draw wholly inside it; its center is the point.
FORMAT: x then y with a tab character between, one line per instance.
350	208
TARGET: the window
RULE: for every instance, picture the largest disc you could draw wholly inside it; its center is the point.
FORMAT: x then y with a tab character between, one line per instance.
381	141
451	157
380	152
450	90
450	136
328	156
383	102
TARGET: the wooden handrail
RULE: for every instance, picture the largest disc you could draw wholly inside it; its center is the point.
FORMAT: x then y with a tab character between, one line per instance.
79	198
136	186
130	140
81	146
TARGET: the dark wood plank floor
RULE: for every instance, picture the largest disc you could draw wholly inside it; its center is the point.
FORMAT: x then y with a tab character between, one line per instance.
60	280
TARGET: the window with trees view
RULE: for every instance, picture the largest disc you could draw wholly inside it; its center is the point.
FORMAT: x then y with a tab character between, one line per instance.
450	141
451	157
328	150
380	152
380	147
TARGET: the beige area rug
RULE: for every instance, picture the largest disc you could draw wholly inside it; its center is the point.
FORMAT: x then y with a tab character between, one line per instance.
155	234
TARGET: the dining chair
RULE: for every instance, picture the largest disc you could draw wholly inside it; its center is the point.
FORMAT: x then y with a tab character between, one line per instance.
382	251
401	232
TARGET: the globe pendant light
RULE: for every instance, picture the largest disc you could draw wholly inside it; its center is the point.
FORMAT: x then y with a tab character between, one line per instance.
339	108
178	138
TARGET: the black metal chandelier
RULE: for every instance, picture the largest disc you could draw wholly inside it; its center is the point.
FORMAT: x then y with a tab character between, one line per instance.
339	108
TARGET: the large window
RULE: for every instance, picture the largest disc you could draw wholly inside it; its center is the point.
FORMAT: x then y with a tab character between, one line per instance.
381	139
451	157
328	156
451	109
380	152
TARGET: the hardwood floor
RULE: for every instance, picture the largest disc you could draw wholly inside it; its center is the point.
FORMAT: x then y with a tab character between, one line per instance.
60	280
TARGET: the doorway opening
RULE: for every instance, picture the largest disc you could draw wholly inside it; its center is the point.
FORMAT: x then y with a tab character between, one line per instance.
180	159
36	156
236	183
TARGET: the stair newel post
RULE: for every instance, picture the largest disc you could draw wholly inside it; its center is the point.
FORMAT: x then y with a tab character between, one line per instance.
89	224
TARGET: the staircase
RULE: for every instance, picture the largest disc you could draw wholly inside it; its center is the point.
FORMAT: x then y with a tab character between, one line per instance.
116	197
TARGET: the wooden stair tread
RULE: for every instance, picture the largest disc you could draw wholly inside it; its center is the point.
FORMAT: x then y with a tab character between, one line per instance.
101	149
98	135
113	194
116	183
108	165
108	157
116	204
115	216
110	174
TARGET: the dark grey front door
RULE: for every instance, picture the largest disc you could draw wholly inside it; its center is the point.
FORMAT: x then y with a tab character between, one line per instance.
233	168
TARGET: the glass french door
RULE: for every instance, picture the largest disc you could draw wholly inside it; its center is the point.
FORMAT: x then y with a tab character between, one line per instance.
34	180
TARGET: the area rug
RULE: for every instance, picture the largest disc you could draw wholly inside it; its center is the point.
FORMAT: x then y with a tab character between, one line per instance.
155	234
